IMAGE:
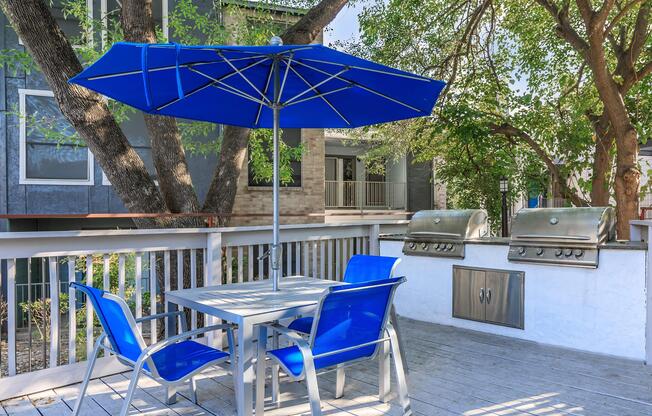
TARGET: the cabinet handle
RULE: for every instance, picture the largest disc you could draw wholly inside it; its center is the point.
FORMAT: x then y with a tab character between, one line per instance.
482	295
488	296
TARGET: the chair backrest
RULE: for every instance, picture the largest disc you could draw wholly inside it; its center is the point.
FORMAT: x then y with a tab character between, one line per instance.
116	320
352	318
365	268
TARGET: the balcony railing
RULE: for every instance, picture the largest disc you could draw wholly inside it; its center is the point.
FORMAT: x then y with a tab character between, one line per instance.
47	334
365	195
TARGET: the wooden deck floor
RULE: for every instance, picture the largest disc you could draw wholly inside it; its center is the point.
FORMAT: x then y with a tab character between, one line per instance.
453	372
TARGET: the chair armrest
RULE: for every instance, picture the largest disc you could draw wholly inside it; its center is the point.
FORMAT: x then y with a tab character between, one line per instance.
290	333
147	352
158	316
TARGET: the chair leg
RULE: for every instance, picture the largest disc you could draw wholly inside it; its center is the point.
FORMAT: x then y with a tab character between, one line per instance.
130	392
394	322
193	391
171	395
384	386
400	372
87	378
339	382
232	358
313	388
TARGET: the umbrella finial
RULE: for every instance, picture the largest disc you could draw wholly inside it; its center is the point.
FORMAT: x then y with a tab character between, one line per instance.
276	41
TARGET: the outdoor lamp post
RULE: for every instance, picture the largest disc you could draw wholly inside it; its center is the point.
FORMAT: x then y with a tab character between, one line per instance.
504	187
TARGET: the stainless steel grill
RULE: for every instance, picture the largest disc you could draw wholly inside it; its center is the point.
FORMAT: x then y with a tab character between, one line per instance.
442	233
561	236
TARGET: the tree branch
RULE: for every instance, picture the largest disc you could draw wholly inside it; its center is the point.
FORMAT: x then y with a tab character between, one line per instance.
512	132
564	27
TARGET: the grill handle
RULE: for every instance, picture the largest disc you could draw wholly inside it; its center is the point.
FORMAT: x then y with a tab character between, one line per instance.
556	237
482	295
431	233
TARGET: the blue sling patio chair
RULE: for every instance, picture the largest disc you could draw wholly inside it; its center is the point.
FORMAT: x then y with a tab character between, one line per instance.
171	362
351	325
360	268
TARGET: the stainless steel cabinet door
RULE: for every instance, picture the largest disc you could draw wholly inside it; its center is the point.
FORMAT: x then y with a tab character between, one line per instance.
468	294
504	298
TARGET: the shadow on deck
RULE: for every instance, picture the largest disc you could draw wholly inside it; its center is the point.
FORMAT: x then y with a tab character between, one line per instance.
453	372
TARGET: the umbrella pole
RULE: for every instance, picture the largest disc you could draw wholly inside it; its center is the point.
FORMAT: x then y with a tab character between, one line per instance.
276	250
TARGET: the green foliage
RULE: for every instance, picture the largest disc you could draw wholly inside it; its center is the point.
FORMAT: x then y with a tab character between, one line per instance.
260	151
15	61
40	311
505	65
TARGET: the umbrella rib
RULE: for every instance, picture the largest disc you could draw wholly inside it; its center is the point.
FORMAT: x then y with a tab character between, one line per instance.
371	90
285	76
322	97
251	84
260	107
165	68
213	81
361	68
317	85
226	87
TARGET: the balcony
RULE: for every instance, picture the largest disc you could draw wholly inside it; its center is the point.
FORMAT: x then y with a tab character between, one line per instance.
363	195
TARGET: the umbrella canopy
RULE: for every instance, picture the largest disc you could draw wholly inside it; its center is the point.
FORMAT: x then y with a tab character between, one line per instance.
319	87
250	86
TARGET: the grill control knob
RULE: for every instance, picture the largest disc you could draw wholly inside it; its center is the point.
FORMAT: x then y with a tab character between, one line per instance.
437	246
578	253
413	245
424	246
568	252
558	252
521	251
449	247
441	246
540	251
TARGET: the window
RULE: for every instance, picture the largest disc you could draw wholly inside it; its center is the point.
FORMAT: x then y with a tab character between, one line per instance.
44	160
291	137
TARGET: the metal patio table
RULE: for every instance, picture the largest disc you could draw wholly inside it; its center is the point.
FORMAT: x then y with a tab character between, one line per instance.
249	304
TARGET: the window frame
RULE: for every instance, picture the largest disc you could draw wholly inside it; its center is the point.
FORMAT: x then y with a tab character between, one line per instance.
22	147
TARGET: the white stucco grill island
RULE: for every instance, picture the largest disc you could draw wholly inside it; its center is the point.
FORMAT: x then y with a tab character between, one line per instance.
601	310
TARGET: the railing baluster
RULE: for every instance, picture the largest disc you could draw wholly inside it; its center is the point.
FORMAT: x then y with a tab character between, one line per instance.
229	265
106	280
358	241
330	244
261	264
166	277
322	259
314	258
139	287
288	259
89	307
240	264
250	263
11	317
297	258
306	258
153	285
122	277
338	259
269	262
53	272
72	312
193	284
345	254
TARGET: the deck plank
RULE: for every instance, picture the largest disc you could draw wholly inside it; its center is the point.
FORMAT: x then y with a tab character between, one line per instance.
453	372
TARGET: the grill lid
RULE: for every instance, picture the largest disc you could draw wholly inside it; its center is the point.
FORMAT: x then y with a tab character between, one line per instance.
581	225
449	224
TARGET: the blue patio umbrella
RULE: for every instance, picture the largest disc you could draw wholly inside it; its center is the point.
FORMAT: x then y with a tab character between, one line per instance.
275	86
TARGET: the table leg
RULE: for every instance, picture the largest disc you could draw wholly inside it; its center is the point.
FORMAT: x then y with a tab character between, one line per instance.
244	387
260	370
276	388
383	372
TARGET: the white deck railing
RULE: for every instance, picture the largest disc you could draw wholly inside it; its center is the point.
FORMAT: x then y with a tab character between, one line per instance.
140	265
365	194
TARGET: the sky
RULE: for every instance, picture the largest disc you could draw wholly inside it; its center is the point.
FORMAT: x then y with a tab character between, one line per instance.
345	26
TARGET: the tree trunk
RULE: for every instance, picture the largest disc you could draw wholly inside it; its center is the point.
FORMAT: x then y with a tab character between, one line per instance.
601	160
223	189
167	150
86	110
627	178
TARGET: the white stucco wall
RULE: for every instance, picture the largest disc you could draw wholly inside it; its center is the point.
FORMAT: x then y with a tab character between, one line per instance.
599	310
